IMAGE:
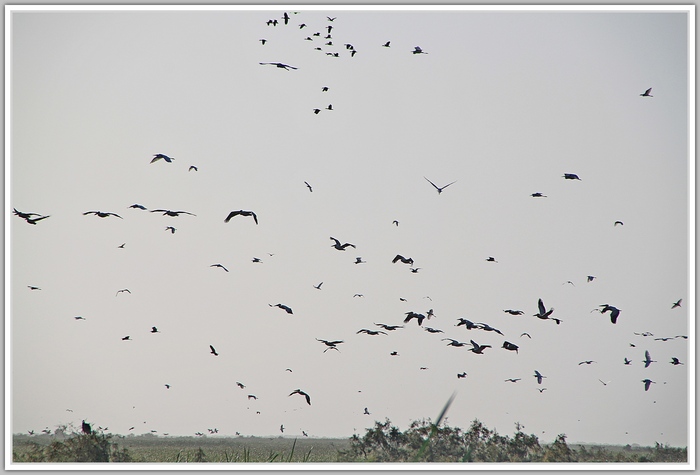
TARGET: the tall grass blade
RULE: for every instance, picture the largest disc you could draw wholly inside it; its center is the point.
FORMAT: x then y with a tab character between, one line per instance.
434	427
292	452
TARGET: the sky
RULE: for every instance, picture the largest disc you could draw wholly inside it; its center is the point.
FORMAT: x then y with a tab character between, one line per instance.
503	104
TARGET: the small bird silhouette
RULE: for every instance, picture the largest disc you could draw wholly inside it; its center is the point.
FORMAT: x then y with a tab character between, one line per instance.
571	176
252	396
647	93
405	260
541	390
32	287
677	303
491	259
366	412
241	213
628	362
263	41
308	186
675	361
332	345
525	334
510	346
358	260
647	359
439	189
102	214
283	307
192	167
240	385
387	44
514	312
282	65
167	386
340	247
167	212
138	206
538	195
154	330
316	111
462	375
453	342
282	428
418	50
590	278
371	332
213	351
539	377
586	362
318	286
432	330
477	348
418	316
614	312
171	229
158	156
543	312
299	391
512	380
618	222
388	327
647	383
122	290
467	323
219	265
127	337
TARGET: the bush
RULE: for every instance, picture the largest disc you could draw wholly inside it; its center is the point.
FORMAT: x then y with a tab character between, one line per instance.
94	447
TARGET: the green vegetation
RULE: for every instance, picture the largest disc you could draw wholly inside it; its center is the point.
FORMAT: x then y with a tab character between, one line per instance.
423	441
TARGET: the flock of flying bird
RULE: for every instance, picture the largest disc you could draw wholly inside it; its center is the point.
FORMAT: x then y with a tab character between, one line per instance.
541	313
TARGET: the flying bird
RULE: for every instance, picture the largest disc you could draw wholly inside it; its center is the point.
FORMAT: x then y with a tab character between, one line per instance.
366	411
415	269
538	195
167	212
283	307
510	346
647	383
604	383
219	265
240	385
387	44
525	334
154	330
462	375
454	343
478	349
628	362
158	156
167	386
32	287
299	391
171	229
677	303
512	380
539	377
192	167
137	206
543	313
418	50
285	17
332	345
358	260
308	186
541	390
647	359
371	332
121	246
316	111
618	222
318	286
395	222
122	290
388	327
241	213
590	278
252	396
571	176
418	316
282	66
586	362
127	338
405	260
614	312
340	247
647	93
213	351
675	361
489	328
439	189
467	323
101	214
79	318
514	312
263	41
432	330
28	216
491	259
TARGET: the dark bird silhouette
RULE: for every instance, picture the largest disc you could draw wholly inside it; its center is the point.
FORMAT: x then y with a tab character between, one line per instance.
329	107
405	260
541	390
489	328
543	312
614	312
263	41
167	386
647	383
358	260
272	22
677	303
415	269
538	195
510	346
432	330
453	342
127	337
192	167
304	433
418	50
79	318
332	345
628	362
539	377
31	287
252	396
604	383
647	93
647	359
618	222
341	247
318	287
282	66
358	295
283	307
366	411
256	260
590	278
285	17
418	316
299	391
121	246
388	327
514	312
571	176
387	44
462	375
154	330
28	216
331	19
167	212
586	362
122	290
512	380
525	334
86	428
324	89
241	213
158	156
439	189
675	361
101	214
137	206
491	259
282	428
468	324
213	351
219	265
308	186
371	332
316	111
395	222
478	349
171	229
240	385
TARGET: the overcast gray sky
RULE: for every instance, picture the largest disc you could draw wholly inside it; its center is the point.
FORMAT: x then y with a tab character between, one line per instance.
504	102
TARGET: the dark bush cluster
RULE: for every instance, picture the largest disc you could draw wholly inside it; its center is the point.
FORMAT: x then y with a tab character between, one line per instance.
75	447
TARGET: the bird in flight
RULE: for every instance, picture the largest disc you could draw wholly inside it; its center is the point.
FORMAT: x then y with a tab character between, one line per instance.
647	359
192	167
122	290
77	317
283	307
647	93
32	287
241	213
433	330
252	396
171	229
489	328
340	247
308	186
614	312
154	330
358	260
167	212
512	380
219	265
675	361
467	323
439	189
405	260
628	362
137	206
538	195
541	390
462	375
418	50
282	66
647	383
213	351
101	214
299	391
543	312
590	278
387	44
318	286
127	338
525	334
586	362
514	312
618	222
158	156
571	176
454	343
491	259
28	216
539	377
332	345
677	303
167	386
388	327
366	411
371	332
477	348
415	269
240	385
510	346
418	316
